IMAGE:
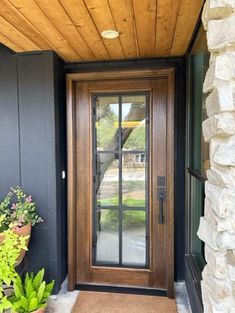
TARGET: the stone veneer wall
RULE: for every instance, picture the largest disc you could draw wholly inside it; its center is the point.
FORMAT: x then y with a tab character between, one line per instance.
217	227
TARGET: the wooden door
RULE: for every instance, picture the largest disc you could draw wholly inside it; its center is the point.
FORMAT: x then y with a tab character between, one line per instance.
120	179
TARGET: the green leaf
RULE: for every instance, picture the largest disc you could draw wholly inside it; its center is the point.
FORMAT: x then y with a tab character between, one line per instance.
19	285
50	286
24	303
29	288
38	278
18	288
33	295
41	290
33	304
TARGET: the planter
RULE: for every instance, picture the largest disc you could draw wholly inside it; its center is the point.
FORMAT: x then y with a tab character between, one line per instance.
21	231
42	310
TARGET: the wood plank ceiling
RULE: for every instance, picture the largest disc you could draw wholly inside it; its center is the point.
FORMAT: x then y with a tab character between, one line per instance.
72	28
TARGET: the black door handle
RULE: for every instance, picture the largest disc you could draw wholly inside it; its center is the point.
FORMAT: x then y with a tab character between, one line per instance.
161	197
161	216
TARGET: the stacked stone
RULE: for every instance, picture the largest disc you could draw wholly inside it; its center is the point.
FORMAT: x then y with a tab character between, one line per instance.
217	226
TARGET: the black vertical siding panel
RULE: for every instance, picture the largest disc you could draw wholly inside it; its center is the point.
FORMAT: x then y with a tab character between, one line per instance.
9	127
36	102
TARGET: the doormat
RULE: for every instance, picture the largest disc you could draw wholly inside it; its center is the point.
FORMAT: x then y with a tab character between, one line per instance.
105	302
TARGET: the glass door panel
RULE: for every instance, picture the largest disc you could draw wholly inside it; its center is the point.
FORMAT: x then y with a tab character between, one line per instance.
107	179
120	155
107	232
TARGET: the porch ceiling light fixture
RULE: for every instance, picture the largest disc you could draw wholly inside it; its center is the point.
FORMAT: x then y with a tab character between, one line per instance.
110	34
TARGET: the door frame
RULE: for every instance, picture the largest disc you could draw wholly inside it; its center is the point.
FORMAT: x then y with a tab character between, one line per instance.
169	75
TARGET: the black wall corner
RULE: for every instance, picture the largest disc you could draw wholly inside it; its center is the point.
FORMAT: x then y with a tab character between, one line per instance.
32	132
9	122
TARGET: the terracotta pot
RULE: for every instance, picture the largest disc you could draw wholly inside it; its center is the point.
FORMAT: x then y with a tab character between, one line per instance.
22	231
42	310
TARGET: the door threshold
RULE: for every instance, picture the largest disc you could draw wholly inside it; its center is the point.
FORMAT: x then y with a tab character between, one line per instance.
123	289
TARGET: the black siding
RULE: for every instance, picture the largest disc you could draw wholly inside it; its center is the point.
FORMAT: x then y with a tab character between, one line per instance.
33	137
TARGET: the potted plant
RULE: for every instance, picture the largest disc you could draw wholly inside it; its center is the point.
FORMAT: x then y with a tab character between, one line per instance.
31	294
10	249
19	213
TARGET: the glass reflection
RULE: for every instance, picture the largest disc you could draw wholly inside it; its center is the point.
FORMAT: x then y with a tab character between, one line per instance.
133	122
134	238
107	173
107	236
133	179
107	115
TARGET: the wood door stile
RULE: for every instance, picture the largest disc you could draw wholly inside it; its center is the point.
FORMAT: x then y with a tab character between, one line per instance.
80	87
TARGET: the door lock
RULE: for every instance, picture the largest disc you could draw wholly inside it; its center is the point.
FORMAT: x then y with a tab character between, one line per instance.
161	196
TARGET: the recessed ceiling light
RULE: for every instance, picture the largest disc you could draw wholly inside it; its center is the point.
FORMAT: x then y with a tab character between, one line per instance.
110	34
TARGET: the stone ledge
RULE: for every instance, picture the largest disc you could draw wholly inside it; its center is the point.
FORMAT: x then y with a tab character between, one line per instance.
226	240
222	152
221	34
213	306
231	264
221	99
223	177
208	234
220	73
222	200
221	289
217	9
217	261
224	155
220	223
219	125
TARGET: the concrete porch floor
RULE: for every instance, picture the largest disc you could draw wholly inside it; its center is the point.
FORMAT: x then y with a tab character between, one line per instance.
64	301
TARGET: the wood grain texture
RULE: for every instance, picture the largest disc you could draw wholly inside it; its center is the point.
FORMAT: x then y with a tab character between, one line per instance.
145	19
103	19
160	273
123	18
72	28
186	21
166	23
56	13
39	19
10	13
81	18
10	31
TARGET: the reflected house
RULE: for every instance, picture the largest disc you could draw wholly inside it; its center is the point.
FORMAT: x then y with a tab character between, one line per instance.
106	134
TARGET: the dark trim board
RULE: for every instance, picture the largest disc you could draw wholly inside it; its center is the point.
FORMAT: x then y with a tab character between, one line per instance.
193	283
121	289
32	136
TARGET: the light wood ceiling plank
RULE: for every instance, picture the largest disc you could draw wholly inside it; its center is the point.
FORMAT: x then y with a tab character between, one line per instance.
10	44
103	19
13	16
145	17
167	13
81	18
8	30
32	12
187	19
56	13
122	14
